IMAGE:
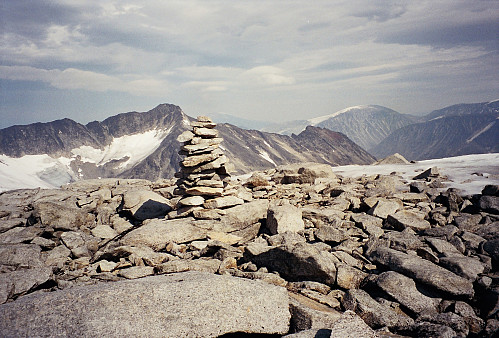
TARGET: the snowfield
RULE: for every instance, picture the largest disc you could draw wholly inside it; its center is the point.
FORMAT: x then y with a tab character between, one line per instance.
136	147
44	171
470	173
315	121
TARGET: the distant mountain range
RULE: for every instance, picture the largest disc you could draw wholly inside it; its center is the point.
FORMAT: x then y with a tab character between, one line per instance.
144	145
365	125
455	130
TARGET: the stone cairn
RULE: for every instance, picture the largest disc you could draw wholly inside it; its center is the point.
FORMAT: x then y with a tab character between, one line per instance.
203	179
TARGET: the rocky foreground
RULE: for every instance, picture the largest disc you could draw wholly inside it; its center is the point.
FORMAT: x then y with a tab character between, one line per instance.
292	251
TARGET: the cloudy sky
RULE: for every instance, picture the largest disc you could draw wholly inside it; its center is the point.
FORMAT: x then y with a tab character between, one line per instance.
264	60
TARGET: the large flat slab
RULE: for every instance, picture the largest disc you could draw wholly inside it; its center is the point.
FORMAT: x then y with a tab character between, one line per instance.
190	304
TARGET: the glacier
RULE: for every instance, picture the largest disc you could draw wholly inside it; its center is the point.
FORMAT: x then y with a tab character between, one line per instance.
44	171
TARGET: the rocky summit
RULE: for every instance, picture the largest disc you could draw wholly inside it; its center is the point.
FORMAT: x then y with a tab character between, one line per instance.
292	251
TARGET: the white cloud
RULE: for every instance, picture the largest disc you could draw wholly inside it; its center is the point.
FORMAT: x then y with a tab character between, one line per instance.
269	75
266	57
208	86
71	78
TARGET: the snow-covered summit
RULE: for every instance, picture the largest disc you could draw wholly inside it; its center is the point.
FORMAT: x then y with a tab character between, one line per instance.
316	120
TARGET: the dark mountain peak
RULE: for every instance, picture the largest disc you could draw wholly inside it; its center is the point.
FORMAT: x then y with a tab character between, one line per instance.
334	146
365	125
463	109
493	104
134	122
312	131
54	137
443	136
59	137
166	107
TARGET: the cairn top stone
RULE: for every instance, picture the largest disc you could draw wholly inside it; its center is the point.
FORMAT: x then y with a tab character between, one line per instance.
205	132
186	136
204	119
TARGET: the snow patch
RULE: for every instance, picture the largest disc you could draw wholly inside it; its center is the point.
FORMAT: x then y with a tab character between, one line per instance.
185	121
33	171
437	118
461	170
24	172
487	127
317	120
133	147
266	157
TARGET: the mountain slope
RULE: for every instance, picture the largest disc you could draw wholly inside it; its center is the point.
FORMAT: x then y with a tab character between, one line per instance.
463	109
238	121
443	137
55	137
335	147
144	145
366	125
260	150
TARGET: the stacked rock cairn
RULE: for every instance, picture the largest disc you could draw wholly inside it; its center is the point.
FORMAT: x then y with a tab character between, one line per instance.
203	179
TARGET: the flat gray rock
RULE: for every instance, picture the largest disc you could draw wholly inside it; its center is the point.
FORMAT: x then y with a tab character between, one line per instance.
16	283
385	207
425	329
423	271
20	255
403	241
300	261
375	314
308	314
20	235
403	290
348	277
145	204
364	220
443	247
191	304
408	219
328	233
76	243
62	216
223	202
156	233
242	216
282	218
467	267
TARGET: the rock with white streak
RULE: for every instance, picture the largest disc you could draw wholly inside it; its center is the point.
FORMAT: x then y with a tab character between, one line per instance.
191	201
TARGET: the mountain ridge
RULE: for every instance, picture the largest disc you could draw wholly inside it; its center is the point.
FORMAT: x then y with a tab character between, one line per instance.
144	145
445	136
366	125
